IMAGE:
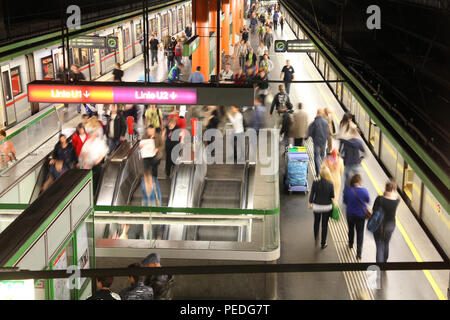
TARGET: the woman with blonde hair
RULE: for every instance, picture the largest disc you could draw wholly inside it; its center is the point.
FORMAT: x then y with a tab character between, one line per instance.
321	202
336	166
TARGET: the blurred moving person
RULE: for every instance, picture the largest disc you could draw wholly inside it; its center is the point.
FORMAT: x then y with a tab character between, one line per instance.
7	150
336	166
79	138
318	131
64	151
299	125
116	128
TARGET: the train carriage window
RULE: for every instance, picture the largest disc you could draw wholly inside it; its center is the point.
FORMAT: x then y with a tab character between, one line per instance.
16	81
153	25
138	31
180	19
47	68
165	20
174	22
6	86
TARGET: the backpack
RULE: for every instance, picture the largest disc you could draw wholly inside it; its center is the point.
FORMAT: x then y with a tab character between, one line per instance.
376	220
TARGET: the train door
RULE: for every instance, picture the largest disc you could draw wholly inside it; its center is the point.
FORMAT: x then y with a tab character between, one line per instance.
174	22
127	51
34	106
97	63
58	62
121	47
8	97
48	71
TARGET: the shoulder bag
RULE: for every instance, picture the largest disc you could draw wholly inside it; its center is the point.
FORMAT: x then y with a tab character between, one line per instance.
366	210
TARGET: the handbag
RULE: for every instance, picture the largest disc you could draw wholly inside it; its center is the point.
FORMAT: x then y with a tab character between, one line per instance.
376	220
335	212
366	210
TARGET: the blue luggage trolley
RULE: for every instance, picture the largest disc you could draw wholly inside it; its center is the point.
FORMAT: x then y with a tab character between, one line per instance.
296	177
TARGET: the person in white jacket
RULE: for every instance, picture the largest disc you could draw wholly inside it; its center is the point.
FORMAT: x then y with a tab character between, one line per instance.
237	120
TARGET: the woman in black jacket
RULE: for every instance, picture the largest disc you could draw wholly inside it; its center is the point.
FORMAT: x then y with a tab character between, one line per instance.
321	202
388	202
64	151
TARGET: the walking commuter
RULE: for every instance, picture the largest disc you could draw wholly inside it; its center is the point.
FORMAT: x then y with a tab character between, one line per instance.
241	52
64	151
170	144
237	120
197	76
170	53
351	150
275	20
266	65
332	129
152	147
162	284
154	117
244	34
75	75
345	126
268	39
103	290
258	115
251	56
299	127
178	52
356	199
260	51
7	150
154	45
115	130
282	23
188	31
262	85
281	103
336	166
118	73
287	74
137	289
56	170
261	32
175	73
388	203
92	154
321	202
318	131
79	138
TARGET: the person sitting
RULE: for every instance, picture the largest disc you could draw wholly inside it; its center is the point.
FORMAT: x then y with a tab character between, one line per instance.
175	73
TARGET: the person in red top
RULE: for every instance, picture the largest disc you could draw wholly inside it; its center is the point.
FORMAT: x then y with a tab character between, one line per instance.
79	138
181	122
178	52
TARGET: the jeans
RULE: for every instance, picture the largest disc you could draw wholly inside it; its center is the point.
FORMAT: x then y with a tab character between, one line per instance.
242	61
325	217
319	155
151	200
154	56
79	108
112	144
170	63
349	171
287	85
275	24
358	223
178	59
382	237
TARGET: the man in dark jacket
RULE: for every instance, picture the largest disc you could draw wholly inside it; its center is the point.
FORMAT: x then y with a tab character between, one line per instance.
350	152
188	31
161	284
318	130
103	290
281	103
137	290
115	130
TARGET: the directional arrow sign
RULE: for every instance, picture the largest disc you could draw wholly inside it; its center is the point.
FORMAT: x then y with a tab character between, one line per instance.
173	95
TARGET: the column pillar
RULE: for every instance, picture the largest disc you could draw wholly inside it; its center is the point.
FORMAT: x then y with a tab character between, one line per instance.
213	26
200	57
225	34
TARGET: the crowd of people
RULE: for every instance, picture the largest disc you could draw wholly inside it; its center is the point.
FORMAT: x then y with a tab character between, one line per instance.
155	287
331	164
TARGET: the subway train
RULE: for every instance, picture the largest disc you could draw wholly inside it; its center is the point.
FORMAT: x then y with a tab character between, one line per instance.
44	64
